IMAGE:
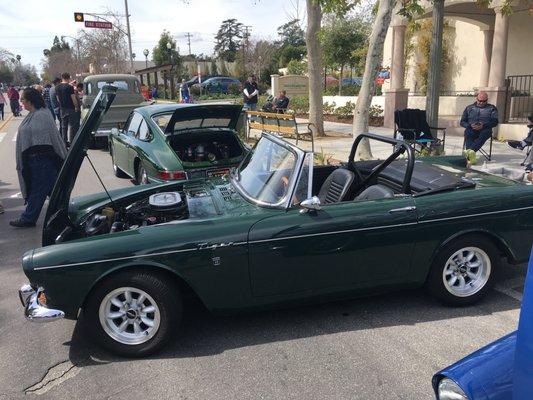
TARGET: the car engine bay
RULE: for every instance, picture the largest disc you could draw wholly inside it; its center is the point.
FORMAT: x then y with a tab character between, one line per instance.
205	147
193	202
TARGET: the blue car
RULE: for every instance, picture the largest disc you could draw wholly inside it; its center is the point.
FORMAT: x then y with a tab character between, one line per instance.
502	370
219	84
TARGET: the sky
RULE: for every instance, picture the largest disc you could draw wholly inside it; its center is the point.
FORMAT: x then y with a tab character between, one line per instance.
29	26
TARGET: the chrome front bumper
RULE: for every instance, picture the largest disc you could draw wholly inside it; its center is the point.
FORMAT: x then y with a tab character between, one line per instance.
33	310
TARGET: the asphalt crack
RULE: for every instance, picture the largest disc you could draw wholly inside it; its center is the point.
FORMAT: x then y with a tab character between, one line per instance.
54	376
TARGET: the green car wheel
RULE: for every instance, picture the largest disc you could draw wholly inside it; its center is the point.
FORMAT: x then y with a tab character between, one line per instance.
133	314
116	170
464	270
142	176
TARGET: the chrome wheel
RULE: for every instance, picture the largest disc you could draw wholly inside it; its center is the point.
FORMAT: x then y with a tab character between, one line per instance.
129	315
466	272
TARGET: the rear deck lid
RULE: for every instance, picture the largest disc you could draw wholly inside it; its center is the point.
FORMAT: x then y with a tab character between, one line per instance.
193	117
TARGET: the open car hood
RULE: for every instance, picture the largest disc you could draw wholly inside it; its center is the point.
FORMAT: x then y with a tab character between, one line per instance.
189	117
56	219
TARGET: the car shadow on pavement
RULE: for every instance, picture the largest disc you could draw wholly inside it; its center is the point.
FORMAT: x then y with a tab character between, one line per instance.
203	334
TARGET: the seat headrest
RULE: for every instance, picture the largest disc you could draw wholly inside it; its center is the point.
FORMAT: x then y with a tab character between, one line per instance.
375	192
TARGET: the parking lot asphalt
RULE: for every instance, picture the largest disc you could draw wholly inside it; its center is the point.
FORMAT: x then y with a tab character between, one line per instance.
381	347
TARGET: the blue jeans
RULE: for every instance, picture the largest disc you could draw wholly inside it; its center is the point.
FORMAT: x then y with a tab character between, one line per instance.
42	174
474	140
250	106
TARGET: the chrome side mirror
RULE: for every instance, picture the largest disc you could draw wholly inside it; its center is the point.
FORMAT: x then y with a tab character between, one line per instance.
310	204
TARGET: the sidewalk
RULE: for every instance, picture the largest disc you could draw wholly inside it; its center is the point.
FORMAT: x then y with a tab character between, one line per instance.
338	143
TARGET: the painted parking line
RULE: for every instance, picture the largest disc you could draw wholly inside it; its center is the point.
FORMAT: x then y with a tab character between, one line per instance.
2	136
509	292
512	287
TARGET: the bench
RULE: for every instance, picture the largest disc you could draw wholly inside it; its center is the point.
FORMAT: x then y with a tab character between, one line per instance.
284	125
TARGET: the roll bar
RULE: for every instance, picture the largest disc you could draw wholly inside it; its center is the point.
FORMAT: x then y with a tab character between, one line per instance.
400	147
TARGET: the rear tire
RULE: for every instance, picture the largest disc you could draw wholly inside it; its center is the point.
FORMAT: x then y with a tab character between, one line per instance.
117	171
119	322
464	270
142	176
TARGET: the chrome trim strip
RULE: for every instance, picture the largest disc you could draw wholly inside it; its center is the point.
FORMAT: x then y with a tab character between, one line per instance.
129	257
116	259
476	215
334	233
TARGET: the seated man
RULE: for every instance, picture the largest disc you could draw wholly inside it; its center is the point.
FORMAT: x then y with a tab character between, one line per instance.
281	102
478	120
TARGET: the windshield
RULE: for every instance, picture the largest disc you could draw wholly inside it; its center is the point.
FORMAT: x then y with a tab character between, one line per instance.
266	174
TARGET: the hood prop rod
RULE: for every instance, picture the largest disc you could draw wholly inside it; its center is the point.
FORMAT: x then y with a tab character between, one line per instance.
102	183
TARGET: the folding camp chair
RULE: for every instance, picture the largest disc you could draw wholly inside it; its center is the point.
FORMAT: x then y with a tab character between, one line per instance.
412	125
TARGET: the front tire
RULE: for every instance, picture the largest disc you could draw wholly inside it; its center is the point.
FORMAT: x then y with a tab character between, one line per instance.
133	314
464	271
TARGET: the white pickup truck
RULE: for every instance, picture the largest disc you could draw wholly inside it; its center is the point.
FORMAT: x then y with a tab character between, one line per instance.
128	98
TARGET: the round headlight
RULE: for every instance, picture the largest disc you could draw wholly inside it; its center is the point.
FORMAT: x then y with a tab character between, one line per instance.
449	390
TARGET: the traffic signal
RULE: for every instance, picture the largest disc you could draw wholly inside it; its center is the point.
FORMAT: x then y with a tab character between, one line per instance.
78	17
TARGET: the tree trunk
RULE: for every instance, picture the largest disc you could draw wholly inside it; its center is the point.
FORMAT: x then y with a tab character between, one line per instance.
314	61
340	81
373	60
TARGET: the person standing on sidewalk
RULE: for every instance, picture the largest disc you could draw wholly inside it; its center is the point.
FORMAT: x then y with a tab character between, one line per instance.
250	94
53	99
69	108
2	103
39	153
13	96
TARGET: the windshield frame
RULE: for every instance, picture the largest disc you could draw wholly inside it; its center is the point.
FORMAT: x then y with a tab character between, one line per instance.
285	202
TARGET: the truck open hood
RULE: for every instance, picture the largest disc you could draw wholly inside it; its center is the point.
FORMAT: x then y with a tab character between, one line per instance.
56	219
192	116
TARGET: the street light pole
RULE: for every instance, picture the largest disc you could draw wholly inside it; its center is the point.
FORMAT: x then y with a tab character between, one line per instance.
146	52
129	35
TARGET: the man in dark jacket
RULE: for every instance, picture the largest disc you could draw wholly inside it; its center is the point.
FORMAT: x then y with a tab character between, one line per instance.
250	94
478	120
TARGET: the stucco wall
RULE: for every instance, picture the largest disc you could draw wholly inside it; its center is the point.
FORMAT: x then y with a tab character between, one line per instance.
520	49
468	47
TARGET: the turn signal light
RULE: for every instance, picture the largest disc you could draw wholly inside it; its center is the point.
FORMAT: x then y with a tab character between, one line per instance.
171	175
42	299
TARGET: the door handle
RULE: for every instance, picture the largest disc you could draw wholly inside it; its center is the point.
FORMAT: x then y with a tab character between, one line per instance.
403	209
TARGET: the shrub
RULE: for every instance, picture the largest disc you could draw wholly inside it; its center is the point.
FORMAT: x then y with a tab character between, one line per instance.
375	111
299	104
348	90
329	108
345	111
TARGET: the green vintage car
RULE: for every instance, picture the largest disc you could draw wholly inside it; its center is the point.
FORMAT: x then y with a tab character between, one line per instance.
278	231
167	142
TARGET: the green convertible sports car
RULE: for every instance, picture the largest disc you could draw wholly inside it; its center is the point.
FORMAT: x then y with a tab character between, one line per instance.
177	141
278	231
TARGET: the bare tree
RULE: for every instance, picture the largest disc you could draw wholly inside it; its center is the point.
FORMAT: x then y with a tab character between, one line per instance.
314	56
106	50
373	60
260	55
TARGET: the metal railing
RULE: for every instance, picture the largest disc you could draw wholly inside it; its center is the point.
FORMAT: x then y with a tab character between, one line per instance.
519	99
